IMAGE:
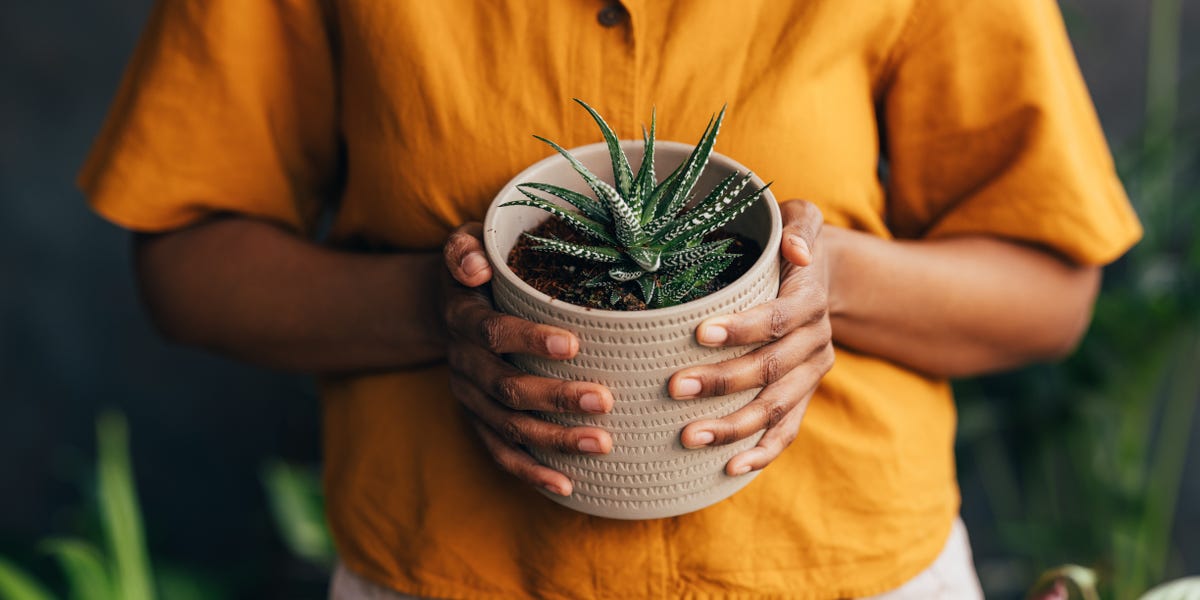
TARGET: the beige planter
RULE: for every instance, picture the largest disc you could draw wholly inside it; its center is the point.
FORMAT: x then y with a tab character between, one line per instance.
649	474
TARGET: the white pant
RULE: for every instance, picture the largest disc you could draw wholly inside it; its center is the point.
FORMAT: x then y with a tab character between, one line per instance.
950	577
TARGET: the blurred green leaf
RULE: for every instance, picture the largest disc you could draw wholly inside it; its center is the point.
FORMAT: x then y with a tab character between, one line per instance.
294	496
16	584
120	515
83	566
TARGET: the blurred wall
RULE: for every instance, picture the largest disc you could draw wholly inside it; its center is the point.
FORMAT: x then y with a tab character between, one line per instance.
73	339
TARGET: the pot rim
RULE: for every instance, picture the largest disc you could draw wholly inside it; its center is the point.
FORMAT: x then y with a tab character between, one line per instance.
500	268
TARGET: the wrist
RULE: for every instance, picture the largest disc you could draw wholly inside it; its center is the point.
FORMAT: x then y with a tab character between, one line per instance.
833	243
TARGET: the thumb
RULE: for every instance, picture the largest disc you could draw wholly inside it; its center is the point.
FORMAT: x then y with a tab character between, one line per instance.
802	222
464	255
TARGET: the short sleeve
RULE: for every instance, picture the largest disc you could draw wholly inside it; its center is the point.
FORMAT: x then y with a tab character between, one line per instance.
990	130
226	106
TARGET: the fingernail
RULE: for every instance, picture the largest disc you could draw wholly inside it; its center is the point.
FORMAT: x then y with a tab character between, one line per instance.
590	445
687	387
742	470
554	489
713	335
701	439
473	264
591	402
558	345
800	245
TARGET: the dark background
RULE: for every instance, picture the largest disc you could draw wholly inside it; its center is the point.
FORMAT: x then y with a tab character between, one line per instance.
73	339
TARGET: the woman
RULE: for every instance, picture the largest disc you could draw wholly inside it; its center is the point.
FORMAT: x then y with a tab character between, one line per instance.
976	249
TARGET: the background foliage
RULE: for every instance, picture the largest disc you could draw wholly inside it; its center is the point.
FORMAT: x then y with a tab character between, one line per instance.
1093	462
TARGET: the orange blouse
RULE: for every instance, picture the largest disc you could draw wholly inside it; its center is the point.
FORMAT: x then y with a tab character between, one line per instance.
411	115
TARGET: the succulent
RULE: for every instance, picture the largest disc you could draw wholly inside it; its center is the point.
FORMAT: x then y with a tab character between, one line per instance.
650	234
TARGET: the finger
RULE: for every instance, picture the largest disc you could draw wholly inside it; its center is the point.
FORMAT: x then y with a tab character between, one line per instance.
798	306
524	429
803	221
766	411
520	464
772	443
470	316
520	391
756	369
465	257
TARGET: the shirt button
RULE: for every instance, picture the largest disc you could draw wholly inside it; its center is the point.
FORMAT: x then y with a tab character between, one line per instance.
611	15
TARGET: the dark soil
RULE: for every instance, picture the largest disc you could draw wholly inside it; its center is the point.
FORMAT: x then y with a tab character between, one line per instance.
561	277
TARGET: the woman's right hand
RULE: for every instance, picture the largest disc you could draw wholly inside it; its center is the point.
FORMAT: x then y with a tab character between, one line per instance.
501	399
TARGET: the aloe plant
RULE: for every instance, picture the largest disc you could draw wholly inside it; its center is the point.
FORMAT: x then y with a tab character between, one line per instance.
650	235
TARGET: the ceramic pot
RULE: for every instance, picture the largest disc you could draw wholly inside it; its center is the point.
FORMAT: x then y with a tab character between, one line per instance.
648	474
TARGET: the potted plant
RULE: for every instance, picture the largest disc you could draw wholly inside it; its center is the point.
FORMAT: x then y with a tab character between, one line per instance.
647	257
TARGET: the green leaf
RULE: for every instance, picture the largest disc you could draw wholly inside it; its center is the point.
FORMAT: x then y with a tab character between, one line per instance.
645	181
721	190
593	209
647	284
615	296
598	254
693	167
718	201
674	241
689	256
599	281
622	173
16	584
120	516
298	508
577	222
648	258
622	274
662	191
628	225
84	568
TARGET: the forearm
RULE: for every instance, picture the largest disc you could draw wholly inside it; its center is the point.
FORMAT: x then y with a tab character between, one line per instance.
252	291
955	307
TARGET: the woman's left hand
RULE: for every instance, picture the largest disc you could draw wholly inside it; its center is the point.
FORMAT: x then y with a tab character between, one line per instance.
798	352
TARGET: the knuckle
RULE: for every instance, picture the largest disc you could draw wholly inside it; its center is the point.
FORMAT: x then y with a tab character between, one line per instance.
491	331
769	368
720	384
773	414
508	391
778	323
512	431
561	399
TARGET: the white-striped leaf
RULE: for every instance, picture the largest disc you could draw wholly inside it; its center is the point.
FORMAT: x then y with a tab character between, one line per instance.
628	225
689	256
577	222
598	254
623	274
694	166
589	206
719	220
622	173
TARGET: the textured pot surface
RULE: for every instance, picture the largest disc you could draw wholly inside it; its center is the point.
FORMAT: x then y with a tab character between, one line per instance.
649	474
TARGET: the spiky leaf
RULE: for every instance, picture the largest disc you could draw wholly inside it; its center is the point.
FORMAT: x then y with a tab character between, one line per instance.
687	257
647	284
694	166
623	274
674	241
594	210
577	222
622	173
645	181
598	254
628	224
721	190
649	258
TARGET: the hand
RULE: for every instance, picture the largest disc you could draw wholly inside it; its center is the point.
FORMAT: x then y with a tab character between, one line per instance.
798	352
500	397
